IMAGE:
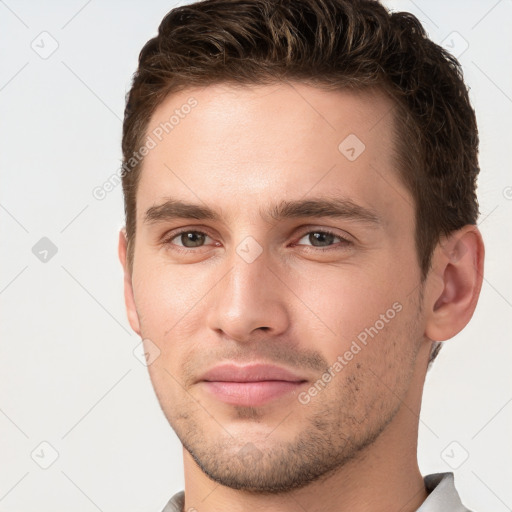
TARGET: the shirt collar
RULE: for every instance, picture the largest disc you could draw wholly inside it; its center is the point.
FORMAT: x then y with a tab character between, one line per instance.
443	497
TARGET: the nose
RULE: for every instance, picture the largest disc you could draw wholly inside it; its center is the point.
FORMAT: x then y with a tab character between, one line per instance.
250	300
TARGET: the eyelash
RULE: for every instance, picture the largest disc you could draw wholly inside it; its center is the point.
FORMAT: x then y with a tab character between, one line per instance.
346	243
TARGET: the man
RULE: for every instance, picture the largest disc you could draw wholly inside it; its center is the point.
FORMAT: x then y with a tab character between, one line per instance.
299	181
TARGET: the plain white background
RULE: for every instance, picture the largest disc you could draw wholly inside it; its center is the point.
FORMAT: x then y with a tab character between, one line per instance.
69	376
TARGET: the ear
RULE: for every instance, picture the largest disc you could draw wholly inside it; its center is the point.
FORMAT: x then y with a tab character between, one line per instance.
129	300
455	281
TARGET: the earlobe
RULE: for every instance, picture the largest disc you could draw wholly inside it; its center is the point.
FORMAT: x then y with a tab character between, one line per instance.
129	299
455	283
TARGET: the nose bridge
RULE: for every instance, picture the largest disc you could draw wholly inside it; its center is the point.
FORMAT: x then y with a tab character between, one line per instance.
250	296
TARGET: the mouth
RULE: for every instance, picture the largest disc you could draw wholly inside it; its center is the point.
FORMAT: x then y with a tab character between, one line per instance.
252	385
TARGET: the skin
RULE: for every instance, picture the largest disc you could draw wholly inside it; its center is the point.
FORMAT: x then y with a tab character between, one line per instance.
239	151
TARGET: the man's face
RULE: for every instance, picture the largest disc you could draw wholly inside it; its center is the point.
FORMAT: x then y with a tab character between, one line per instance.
286	338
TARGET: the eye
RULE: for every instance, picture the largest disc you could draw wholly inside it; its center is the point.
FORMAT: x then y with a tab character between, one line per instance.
187	239
321	238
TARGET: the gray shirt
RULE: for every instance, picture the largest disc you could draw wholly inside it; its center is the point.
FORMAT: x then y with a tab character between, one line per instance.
443	497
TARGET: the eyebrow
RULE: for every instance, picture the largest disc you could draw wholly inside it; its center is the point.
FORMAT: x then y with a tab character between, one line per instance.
340	208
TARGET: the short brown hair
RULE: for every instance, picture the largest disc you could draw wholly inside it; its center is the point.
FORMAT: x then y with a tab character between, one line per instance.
331	44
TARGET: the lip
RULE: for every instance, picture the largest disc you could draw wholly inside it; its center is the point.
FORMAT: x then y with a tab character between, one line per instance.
250	385
229	372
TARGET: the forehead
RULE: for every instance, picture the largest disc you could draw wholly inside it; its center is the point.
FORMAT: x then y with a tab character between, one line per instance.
240	148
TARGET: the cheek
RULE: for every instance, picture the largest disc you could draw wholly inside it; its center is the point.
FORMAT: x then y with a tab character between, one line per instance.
377	361
344	301
166	296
